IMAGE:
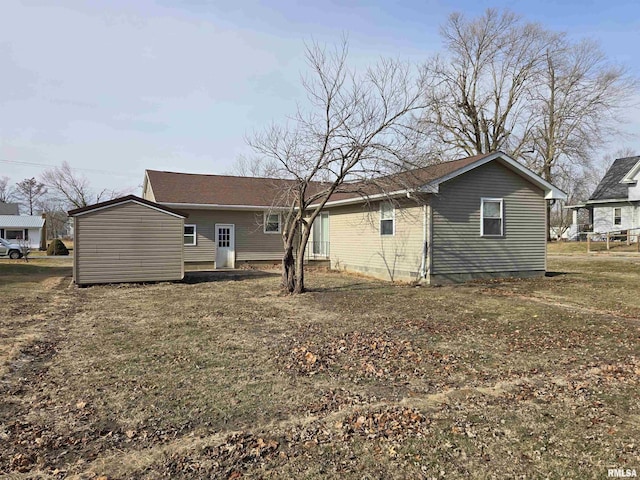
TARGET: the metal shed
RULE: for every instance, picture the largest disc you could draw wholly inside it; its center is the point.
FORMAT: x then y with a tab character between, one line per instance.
127	239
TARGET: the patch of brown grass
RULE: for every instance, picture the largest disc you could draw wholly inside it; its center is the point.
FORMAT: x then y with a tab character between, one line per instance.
227	378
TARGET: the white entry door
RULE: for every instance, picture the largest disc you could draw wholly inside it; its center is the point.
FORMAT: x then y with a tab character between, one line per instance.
225	245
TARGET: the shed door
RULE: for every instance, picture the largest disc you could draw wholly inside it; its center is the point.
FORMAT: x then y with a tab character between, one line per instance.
225	246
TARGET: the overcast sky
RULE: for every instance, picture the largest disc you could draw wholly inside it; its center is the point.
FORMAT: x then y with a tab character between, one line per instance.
114	87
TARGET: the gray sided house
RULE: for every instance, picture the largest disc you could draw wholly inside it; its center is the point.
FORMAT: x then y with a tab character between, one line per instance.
478	217
232	220
615	203
482	216
127	239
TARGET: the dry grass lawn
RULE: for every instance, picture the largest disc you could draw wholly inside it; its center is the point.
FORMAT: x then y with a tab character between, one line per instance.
225	378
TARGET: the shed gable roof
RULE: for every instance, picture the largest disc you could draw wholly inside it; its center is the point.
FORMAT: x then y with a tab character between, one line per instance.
610	187
122	200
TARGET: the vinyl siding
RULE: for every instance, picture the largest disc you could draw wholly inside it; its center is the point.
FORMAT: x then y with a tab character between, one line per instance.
356	243
128	243
603	217
251	243
458	248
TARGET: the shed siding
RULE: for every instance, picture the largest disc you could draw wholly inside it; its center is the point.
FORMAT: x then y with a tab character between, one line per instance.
128	243
356	243
458	248
251	243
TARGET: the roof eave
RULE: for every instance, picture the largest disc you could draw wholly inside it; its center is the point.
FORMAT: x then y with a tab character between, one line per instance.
213	206
551	192
631	175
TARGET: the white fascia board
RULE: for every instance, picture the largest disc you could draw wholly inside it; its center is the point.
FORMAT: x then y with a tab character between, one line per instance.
632	175
212	206
551	191
128	201
364	198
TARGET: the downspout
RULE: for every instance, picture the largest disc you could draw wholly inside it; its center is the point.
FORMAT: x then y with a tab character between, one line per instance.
425	269
423	263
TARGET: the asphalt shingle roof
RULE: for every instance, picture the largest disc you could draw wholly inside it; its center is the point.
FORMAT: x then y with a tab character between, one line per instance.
187	188
610	187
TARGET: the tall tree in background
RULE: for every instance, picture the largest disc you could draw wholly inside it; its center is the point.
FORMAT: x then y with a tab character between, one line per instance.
576	105
73	189
7	192
29	191
355	126
483	82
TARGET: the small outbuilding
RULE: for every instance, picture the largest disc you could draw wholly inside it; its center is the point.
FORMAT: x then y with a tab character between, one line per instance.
127	239
27	229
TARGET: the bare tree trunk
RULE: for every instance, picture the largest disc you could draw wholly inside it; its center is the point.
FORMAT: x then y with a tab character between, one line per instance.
302	246
288	268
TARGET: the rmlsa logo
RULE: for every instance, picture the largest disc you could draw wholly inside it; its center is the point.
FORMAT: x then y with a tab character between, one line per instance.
622	472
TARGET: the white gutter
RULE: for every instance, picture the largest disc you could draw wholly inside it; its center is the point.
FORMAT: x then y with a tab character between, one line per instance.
212	206
362	198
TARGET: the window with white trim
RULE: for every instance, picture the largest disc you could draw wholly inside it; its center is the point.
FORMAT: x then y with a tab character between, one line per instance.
387	218
190	235
271	222
617	216
491	217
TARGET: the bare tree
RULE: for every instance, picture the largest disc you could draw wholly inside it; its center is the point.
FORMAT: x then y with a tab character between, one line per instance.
7	191
29	191
74	189
356	124
577	105
255	167
480	104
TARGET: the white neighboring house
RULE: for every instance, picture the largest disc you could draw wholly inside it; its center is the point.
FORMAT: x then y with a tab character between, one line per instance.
18	228
614	206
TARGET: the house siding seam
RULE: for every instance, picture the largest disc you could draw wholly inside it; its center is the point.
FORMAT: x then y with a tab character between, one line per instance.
251	243
356	243
457	245
127	243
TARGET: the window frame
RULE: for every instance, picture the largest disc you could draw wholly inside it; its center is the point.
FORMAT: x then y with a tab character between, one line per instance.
22	232
491	200
194	234
619	217
265	222
392	219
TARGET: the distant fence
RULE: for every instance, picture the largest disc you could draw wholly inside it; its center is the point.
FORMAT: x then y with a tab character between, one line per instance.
614	238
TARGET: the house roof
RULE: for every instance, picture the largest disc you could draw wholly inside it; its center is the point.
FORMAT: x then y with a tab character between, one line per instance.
191	190
122	200
610	187
199	189
428	179
21	221
9	208
401	182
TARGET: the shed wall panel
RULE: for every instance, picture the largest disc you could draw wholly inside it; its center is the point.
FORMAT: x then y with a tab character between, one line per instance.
128	243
